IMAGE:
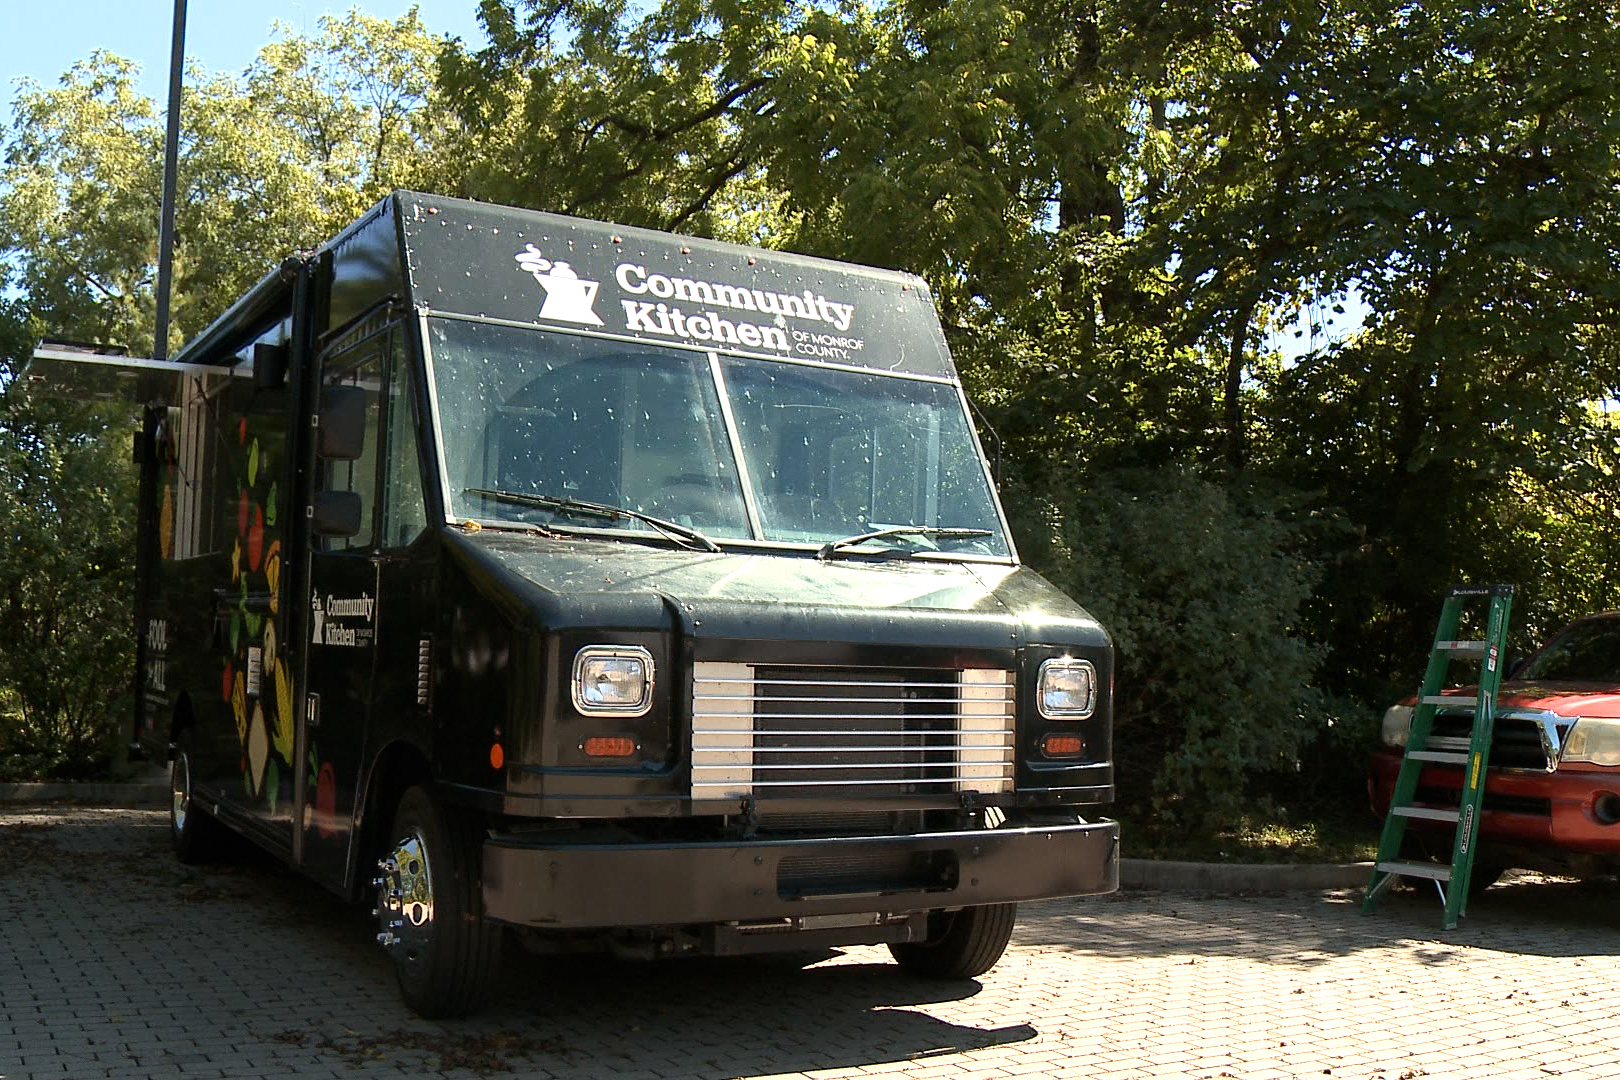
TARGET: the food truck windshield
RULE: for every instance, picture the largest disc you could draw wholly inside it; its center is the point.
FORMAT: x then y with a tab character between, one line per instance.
532	424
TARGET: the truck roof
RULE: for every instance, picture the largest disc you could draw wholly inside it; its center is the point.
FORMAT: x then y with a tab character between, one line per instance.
525	267
543	269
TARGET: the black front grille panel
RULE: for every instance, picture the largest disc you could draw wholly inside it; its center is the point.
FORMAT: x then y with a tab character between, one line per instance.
899	729
1515	743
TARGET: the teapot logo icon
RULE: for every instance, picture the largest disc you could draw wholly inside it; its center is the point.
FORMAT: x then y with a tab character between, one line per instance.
569	297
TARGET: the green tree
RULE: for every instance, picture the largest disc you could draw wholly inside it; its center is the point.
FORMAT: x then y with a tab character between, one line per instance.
1489	197
270	163
970	142
66	582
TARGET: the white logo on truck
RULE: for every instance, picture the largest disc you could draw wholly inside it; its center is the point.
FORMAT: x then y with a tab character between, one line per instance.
694	309
328	612
569	297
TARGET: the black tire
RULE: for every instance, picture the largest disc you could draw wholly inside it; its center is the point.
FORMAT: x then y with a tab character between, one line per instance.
193	832
1483	876
430	908
961	944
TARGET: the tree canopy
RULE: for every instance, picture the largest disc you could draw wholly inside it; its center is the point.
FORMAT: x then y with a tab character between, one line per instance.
271	162
1314	299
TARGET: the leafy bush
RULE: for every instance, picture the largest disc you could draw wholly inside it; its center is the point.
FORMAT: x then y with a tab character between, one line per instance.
67	496
1201	587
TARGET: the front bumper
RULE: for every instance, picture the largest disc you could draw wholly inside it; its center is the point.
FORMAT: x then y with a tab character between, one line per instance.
561	886
1522	807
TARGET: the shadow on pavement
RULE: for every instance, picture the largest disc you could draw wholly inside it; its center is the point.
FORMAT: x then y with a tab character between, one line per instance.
250	955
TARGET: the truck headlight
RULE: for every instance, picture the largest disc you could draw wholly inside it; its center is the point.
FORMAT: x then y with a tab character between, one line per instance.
1066	688
613	680
1397	727
1594	739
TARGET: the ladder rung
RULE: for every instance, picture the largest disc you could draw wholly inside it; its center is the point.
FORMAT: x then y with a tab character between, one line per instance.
1456	701
1424	813
1467	648
1449	742
1433	871
1439	757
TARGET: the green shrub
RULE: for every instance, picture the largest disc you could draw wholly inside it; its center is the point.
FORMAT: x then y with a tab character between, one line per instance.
67	495
1201	587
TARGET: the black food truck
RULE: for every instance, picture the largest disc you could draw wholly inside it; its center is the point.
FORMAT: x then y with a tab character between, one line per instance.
606	588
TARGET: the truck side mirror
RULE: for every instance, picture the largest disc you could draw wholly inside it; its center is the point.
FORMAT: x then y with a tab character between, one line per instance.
335	513
341	428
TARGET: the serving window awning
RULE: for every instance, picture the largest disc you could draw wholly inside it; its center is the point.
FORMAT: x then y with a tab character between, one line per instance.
82	372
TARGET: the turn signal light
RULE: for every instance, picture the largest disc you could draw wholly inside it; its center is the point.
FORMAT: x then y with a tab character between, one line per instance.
609	746
1063	746
497	756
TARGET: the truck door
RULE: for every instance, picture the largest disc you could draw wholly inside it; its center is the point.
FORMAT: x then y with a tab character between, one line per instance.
359	584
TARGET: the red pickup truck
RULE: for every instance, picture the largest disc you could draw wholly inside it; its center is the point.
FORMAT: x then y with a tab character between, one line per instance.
1552	792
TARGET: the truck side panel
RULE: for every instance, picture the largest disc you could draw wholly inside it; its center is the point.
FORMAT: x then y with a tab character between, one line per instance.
224	508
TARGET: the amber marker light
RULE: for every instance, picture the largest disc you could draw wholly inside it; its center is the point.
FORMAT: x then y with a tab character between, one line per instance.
1063	746
497	756
609	746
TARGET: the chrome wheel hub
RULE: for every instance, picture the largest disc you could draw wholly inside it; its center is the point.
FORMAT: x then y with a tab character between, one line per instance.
179	791
404	910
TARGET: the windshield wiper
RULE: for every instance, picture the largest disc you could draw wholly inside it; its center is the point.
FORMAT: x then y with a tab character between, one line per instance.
934	532
585	508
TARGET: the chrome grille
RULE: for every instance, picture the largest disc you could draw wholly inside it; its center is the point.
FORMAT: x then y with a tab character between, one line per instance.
773	731
1519	739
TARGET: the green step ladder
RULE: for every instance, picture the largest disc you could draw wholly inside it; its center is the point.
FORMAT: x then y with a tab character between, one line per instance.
1423	749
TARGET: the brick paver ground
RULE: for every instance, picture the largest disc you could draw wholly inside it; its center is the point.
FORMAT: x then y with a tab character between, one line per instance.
117	962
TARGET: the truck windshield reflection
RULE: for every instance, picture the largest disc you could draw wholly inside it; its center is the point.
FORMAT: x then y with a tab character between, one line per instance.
730	448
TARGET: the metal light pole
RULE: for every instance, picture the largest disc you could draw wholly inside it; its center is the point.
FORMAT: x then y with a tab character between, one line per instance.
171	157
146	541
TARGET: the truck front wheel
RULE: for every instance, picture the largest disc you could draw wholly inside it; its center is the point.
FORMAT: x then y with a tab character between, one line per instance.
196	836
961	944
430	908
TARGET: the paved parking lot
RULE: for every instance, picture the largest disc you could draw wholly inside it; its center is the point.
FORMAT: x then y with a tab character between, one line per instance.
117	962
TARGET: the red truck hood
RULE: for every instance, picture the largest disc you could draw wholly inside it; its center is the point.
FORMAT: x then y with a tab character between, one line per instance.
1563	698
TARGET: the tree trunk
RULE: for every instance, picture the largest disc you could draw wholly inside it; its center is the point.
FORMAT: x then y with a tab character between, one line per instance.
1235	434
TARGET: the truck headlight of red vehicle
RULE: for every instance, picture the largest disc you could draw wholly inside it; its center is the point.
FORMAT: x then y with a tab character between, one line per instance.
1397	727
1593	739
1066	688
613	680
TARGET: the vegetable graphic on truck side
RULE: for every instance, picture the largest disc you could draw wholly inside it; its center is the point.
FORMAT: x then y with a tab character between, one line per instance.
602	587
